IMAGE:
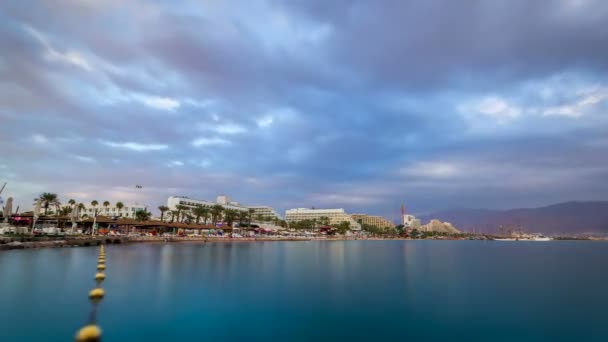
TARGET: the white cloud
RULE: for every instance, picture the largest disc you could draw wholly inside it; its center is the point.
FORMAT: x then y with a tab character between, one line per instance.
52	54
494	107
209	142
175	163
265	121
589	98
40	139
432	169
163	103
135	146
227	128
85	159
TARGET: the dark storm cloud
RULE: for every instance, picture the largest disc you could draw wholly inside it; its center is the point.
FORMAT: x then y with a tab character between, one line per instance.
306	103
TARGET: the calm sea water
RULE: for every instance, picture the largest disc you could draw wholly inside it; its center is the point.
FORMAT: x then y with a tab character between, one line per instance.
304	291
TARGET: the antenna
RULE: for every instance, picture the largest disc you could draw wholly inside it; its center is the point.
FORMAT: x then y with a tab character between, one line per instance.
3	187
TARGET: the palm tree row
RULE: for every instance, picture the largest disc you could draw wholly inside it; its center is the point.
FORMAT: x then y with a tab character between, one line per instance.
48	199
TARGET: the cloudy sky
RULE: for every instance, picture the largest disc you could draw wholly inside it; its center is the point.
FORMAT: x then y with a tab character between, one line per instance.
354	104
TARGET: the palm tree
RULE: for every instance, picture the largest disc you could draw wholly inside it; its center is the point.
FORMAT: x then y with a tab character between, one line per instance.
198	212
119	206
216	213
230	215
206	212
106	204
94	204
71	202
162	209
48	199
243	216
142	215
250	216
65	211
180	208
174	214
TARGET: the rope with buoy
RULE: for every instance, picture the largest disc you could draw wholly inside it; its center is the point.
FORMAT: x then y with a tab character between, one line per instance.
91	331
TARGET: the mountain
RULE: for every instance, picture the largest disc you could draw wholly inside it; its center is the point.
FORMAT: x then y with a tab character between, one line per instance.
566	218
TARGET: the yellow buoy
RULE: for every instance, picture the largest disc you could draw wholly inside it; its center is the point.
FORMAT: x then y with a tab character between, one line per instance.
96	293
88	333
100	276
101	259
101	267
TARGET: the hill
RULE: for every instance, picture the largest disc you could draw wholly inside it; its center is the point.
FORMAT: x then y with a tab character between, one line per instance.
566	218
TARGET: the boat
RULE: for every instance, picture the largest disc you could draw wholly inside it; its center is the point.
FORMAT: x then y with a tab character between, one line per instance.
539	237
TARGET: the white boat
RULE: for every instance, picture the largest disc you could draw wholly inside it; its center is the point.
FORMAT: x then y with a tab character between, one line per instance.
539	237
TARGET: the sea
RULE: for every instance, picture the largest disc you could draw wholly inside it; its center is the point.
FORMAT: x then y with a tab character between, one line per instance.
312	291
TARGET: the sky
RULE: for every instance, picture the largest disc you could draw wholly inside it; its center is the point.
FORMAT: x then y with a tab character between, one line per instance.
361	105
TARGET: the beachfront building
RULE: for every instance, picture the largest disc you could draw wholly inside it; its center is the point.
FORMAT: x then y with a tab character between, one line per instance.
265	211
377	221
222	200
336	216
174	201
128	210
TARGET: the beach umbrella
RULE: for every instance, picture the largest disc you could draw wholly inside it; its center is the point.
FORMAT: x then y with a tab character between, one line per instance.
8	208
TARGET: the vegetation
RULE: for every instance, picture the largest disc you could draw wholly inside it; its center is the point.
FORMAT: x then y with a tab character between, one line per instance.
230	215
180	209
119	206
106	204
48	199
94	204
65	211
143	215
216	213
174	214
162	209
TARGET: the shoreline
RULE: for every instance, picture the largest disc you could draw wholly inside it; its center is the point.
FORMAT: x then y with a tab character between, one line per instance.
14	242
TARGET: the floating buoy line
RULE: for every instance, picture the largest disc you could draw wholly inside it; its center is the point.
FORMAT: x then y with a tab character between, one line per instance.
91	331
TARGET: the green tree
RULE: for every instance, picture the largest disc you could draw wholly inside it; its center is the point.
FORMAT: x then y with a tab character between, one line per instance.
250	216
65	211
71	202
230	215
243	217
162	209
216	213
94	204
343	227
119	206
48	199
199	211
180	209
143	215
174	215
324	221
106	204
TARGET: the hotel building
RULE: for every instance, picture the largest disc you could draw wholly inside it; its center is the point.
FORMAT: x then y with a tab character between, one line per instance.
336	216
222	200
263	210
128	210
377	221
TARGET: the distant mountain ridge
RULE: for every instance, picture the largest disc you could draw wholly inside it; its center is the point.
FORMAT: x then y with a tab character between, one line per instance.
568	218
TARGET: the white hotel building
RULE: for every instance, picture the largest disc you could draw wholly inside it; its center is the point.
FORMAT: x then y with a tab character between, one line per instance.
127	211
336	216
222	200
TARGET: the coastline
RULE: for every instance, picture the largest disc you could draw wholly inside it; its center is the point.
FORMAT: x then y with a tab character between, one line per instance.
14	243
